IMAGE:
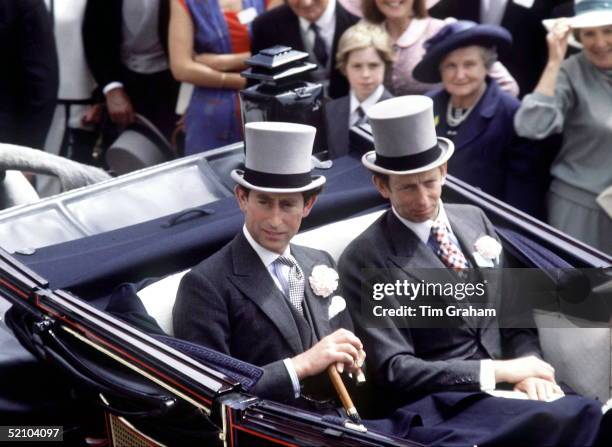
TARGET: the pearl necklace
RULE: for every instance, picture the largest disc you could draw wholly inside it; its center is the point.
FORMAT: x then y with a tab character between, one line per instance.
455	121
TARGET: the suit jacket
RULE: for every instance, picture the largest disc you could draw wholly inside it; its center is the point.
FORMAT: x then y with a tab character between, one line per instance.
425	360
337	114
528	34
280	26
102	37
29	78
490	155
230	303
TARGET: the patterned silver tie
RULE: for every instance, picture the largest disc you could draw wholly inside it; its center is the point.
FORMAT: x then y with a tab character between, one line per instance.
295	280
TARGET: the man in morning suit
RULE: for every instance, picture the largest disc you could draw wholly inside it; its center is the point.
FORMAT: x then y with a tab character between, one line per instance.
29	77
314	26
445	371
261	299
126	46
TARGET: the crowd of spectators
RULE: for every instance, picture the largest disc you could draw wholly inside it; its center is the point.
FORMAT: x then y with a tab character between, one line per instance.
112	60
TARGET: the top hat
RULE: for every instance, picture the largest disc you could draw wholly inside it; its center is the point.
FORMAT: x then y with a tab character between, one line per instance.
140	145
587	14
459	34
405	139
278	158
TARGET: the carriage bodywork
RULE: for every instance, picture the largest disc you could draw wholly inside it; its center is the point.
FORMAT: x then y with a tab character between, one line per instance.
145	383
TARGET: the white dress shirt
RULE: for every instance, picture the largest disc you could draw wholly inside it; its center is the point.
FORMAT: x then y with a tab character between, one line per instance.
492	11
365	105
422	231
280	274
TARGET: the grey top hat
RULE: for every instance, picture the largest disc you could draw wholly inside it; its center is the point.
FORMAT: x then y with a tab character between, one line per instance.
278	158
405	140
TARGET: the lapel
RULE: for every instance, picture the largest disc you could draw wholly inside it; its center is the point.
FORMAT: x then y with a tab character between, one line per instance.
514	15
256	284
479	119
317	306
342	22
468	233
386	95
289	31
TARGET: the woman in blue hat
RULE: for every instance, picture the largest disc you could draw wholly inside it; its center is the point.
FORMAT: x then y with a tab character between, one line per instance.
472	111
574	97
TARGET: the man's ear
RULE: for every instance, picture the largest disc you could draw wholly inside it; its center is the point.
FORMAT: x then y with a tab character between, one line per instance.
381	186
308	205
443	171
241	196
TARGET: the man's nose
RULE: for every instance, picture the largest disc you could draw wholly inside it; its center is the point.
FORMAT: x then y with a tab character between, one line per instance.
275	217
421	195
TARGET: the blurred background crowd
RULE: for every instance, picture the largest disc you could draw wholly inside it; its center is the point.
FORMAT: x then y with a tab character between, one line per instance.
527	107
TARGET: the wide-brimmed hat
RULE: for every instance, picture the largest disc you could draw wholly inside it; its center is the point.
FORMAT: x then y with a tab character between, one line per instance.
452	36
278	158
405	140
587	14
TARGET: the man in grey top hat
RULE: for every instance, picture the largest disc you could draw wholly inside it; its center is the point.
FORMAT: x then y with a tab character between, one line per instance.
444	369
262	299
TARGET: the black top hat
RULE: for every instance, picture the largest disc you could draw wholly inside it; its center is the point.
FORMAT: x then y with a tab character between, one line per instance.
462	33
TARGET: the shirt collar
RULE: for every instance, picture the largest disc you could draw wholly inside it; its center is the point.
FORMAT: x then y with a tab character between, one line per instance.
266	256
368	102
423	229
326	20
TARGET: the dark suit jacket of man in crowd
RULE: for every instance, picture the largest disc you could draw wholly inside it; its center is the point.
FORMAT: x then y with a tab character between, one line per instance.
337	133
528	55
153	95
29	77
230	303
437	370
280	26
